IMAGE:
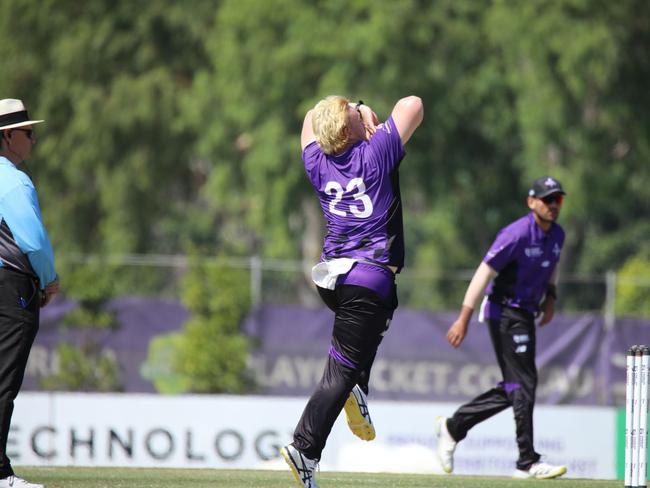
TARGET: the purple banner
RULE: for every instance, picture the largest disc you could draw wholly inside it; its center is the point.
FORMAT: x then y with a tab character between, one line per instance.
415	361
579	361
611	375
139	320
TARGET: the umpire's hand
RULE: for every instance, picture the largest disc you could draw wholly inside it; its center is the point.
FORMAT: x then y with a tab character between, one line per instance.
50	290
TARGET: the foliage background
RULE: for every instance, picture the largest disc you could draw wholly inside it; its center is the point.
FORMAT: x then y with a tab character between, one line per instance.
174	126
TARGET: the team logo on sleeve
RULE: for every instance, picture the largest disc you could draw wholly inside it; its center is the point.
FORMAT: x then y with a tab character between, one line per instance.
556	250
492	253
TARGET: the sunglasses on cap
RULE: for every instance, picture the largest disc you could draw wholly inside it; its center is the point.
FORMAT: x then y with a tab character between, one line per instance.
554	198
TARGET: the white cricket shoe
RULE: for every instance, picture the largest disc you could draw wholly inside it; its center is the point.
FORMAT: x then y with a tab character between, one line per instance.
16	482
446	445
356	411
302	467
540	471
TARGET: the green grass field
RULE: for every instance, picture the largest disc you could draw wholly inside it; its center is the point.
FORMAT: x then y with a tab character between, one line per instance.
190	478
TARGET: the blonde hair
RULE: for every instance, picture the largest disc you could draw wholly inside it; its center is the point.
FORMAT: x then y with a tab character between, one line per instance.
329	121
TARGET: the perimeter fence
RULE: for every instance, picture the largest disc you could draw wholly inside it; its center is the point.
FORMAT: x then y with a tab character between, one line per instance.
277	281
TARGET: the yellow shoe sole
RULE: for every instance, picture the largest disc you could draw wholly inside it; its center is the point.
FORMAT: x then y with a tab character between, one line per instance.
357	422
557	474
554	475
286	457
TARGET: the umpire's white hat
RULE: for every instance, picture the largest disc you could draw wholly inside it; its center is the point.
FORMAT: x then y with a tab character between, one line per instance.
14	114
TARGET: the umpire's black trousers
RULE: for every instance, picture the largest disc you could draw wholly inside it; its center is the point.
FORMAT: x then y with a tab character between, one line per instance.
361	319
19	311
513	339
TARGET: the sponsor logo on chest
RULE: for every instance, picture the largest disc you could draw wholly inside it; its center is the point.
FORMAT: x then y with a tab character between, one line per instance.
533	252
537	252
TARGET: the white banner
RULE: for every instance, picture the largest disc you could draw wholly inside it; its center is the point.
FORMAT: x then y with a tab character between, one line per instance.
245	432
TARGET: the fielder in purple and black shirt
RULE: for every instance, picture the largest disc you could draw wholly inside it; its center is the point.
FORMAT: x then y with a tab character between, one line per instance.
521	265
352	162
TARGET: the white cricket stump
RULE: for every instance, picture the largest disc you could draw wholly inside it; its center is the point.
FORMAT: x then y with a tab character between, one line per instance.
636	416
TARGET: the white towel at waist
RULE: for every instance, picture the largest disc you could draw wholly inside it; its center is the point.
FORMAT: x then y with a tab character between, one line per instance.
325	273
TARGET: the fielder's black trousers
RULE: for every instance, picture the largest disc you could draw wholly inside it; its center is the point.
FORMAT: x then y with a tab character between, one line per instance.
361	319
19	313
513	339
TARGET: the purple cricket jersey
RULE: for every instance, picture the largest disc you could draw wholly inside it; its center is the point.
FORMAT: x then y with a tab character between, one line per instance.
360	197
524	256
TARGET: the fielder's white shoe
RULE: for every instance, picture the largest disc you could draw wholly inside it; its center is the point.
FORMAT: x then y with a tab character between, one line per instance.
302	467
356	411
16	482
540	471
446	445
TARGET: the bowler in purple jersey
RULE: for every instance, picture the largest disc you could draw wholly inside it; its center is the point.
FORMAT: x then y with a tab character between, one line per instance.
520	267
352	162
359	194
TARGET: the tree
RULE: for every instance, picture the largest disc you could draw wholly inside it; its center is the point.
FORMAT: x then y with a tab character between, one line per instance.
633	287
169	126
575	68
212	352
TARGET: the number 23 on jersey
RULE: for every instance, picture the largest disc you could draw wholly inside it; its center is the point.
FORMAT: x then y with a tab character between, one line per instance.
361	208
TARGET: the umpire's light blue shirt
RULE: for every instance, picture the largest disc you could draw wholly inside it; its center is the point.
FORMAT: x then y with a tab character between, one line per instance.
24	244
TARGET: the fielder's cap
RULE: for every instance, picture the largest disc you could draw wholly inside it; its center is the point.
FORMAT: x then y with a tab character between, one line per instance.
545	186
14	114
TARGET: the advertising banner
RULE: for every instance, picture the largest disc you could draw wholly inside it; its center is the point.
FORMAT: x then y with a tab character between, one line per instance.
245	432
579	362
415	362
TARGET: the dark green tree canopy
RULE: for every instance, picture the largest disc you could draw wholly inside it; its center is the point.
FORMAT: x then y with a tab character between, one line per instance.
171	124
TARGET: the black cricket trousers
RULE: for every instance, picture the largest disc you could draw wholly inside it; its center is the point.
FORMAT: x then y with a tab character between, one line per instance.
513	339
19	315
361	319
